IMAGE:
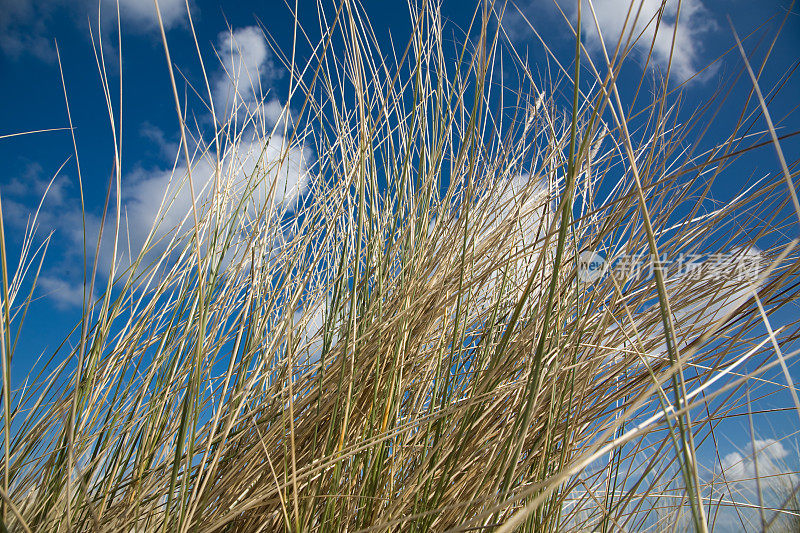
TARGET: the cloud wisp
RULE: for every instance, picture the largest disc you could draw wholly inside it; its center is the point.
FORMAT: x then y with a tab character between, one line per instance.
256	167
673	29
251	176
26	26
759	473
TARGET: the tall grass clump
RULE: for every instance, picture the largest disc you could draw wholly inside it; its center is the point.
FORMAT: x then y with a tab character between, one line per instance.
374	312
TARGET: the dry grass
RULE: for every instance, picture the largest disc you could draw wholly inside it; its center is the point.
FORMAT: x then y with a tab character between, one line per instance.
411	345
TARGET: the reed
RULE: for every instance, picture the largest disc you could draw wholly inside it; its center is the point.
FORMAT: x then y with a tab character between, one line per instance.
375	315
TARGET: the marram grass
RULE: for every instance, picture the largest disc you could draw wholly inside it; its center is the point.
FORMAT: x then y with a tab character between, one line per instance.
410	343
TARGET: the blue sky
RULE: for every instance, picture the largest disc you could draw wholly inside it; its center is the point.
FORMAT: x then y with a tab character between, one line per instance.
32	98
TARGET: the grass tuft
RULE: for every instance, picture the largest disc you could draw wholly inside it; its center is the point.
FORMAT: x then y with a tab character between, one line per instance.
374	313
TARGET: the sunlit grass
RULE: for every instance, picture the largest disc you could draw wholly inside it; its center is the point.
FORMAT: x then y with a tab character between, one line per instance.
407	341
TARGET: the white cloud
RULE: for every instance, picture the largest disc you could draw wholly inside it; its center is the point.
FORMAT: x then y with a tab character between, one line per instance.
59	282
143	12
265	171
772	468
519	212
256	168
308	323
268	178
735	486
737	270
528	203
694	23
64	294
723	284
33	183
248	70
272	112
252	162
154	134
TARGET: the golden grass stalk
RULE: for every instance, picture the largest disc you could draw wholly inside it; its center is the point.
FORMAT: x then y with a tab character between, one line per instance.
412	344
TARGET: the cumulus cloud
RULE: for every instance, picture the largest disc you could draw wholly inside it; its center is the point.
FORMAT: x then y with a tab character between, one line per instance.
255	169
166	148
693	25
267	177
33	182
528	202
735	484
736	273
260	172
772	459
519	212
35	189
247	74
308	323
